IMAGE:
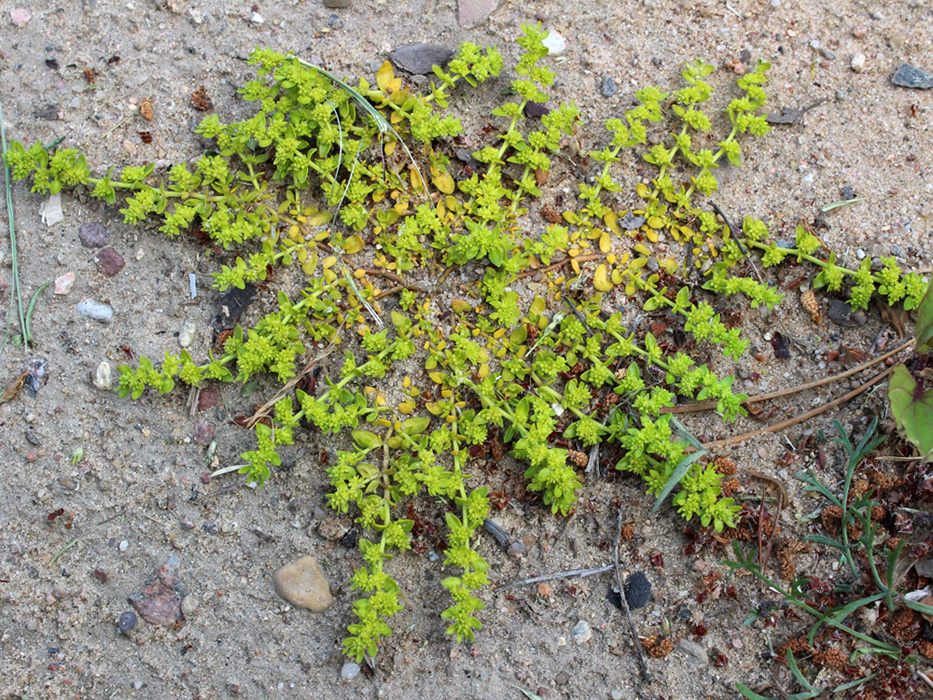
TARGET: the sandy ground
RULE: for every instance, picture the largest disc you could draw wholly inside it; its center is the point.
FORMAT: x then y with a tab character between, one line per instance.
130	501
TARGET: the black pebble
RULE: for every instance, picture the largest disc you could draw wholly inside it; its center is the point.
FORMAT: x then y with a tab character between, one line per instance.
637	592
127	621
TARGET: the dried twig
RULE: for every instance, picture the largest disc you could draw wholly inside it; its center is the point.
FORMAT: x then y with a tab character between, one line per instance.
710	405
800	418
560	263
560	574
624	601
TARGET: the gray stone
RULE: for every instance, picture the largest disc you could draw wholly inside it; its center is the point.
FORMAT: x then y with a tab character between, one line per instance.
349	671
909	77
696	654
581	632
842	314
337	4
472	12
420	59
302	583
607	86
637	590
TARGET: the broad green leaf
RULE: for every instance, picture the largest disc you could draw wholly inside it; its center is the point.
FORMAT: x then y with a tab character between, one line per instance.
913	410
924	330
365	439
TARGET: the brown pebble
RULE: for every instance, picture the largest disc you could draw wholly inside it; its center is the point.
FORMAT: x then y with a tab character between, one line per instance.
100	575
208	398
302	583
860	31
109	262
145	109
334	528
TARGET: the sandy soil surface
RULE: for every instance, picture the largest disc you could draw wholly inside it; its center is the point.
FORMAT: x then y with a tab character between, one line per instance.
137	497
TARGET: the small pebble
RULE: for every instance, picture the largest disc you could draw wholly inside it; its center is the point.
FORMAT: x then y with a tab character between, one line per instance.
334	528
186	336
129	147
517	550
100	575
20	17
828	54
858	62
102	377
695	653
860	31
349	671
188	605
124	545
93	235
842	314
618	694
581	632
554	43
109	262
94	310
187	523
257	18
910	77
637	590
337	4
302	583
607	86
420	59
127	621
64	283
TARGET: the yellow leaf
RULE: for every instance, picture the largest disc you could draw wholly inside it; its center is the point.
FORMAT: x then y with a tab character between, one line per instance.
384	76
612	221
436	377
354	244
630	288
445	183
396	117
652	235
303	255
319	219
605	242
642	190
655	221
575	265
395	85
617	276
308	269
330	276
601	280
329	261
570	217
638	263
483	370
405	408
416	183
461	307
390	147
642	248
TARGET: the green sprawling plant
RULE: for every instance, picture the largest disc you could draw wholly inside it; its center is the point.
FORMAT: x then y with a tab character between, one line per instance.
317	180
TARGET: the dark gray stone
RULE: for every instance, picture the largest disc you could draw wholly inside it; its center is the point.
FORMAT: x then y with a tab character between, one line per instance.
909	77
607	86
637	590
420	59
842	314
339	4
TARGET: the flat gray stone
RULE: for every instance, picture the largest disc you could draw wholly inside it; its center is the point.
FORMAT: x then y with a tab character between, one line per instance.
909	77
472	12
302	583
420	59
696	654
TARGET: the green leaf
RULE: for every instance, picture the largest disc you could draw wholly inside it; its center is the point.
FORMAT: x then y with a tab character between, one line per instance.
415	426
366	440
919	607
913	410
682	468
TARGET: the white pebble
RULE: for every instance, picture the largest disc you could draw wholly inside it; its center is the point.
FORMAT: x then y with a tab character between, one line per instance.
858	62
94	310
554	43
349	671
187	334
257	18
129	147
581	632
102	377
124	545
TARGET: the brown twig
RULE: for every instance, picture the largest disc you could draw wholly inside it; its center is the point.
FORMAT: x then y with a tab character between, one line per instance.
389	292
395	278
624	602
800	418
709	405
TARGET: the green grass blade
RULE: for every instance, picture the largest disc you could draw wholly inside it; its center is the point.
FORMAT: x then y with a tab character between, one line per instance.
682	468
27	335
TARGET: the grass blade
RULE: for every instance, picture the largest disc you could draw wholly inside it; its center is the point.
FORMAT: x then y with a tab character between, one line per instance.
27	335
